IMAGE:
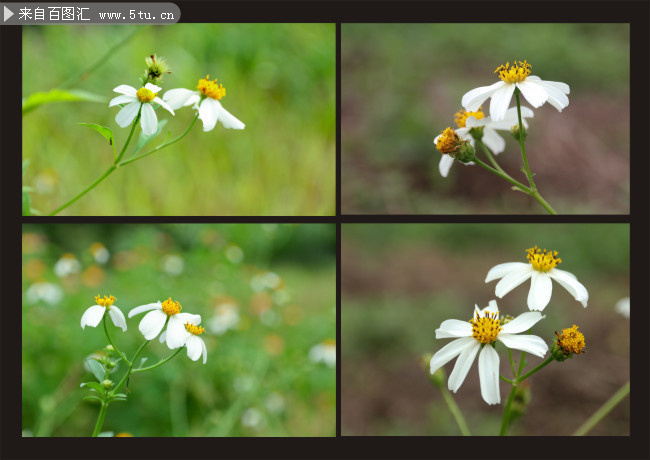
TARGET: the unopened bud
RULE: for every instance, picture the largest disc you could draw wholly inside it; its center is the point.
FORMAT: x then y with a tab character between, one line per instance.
107	383
516	133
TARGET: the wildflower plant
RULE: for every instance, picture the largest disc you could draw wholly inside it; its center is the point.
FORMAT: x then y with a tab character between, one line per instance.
476	131
182	331
138	107
490	330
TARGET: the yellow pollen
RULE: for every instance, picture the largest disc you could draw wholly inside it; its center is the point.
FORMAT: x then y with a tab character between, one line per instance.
196	330
486	329
544	260
461	117
145	95
106	301
211	88
515	73
571	341
170	307
448	141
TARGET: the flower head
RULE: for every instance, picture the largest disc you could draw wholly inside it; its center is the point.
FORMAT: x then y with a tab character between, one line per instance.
480	334
541	269
534	89
449	143
623	307
192	340
93	315
570	342
139	101
156	68
206	102
160	313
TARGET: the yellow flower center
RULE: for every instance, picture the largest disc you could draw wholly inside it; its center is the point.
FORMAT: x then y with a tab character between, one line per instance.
542	261
461	117
145	95
448	141
170	307
515	73
571	341
124	435
196	330
106	301
487	328
211	88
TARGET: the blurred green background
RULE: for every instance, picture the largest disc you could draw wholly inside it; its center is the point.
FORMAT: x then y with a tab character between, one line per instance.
280	81
401	85
399	282
266	295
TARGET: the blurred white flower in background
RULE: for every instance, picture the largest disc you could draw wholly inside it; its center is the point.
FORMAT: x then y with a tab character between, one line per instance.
44	291
253	418
275	403
67	265
226	317
234	254
623	307
173	264
324	352
100	253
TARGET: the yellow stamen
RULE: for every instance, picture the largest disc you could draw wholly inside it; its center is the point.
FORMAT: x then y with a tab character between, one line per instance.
170	307
448	141
514	74
211	88
192	329
571	341
487	328
106	301
145	95
542	261
461	117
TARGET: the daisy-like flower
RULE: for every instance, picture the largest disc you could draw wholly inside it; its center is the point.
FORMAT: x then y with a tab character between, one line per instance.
479	334
570	342
468	120
140	100
623	307
534	89
540	269
206	101
94	314
195	344
154	321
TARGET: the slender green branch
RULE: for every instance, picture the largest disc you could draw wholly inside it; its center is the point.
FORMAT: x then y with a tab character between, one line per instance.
511	382
610	404
490	157
86	190
503	176
528	374
100	419
506	411
128	140
159	363
111	342
129	370
521	143
543	202
512	363
455	411
521	363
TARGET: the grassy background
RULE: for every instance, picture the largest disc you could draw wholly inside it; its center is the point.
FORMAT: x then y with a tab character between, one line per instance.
258	380
399	282
280	81
402	83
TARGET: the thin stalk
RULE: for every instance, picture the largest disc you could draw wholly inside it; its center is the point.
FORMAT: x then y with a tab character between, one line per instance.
128	372
100	419
159	363
528	374
521	144
455	411
490	157
610	404
506	411
511	382
543	202
112	344
521	363
128	140
503	176
512	364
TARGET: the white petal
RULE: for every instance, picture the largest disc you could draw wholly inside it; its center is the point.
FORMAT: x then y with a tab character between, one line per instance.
228	120
178	97
511	119
453	328
501	270
118	317
493	141
449	352
188	318
501	101
488	373
194	347
541	289
92	316
142	308
528	343
176	333
445	165
122	100
556	97
492	308
522	322
623	307
569	282
153	88
555	84
164	105
148	119
473	99
163	337
152	324
462	366
127	114
533	92
512	280
208	113
205	351
126	89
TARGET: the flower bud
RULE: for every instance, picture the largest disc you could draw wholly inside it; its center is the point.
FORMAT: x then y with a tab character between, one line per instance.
107	383
569	343
156	68
505	319
514	131
449	143
109	348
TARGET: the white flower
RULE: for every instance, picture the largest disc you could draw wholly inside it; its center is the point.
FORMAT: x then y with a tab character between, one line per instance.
540	270
534	89
324	352
134	99
468	120
479	334
226	317
206	101
195	344
154	321
44	291
623	307
94	314
67	265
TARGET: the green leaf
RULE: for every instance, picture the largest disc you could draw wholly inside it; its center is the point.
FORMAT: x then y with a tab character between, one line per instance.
96	368
25	164
59	95
104	131
92	398
94	386
26	204
145	139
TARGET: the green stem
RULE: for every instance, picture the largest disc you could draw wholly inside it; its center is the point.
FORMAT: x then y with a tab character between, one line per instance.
521	143
521	363
512	364
111	342
128	140
535	194
100	419
490	157
506	411
504	176
511	382
604	410
161	146
128	372
455	410
159	363
528	374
